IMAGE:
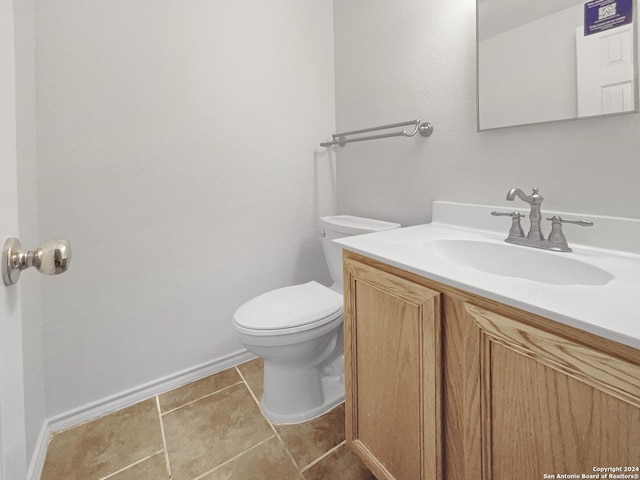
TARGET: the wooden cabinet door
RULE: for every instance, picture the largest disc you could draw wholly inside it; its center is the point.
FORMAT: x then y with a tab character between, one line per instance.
393	374
540	404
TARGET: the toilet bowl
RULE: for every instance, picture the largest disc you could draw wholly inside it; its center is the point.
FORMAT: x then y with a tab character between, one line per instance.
297	330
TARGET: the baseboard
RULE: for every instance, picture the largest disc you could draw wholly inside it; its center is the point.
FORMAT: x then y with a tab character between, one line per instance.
124	399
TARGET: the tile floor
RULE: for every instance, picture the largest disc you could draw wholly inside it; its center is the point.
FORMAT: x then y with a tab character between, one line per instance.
211	429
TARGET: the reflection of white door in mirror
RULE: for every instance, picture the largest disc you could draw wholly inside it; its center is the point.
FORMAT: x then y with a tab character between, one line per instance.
605	71
528	60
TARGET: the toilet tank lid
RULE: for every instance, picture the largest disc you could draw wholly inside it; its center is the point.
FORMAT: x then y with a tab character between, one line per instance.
355	225
289	307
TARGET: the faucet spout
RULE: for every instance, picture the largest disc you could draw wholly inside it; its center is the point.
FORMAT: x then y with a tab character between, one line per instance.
533	199
535	216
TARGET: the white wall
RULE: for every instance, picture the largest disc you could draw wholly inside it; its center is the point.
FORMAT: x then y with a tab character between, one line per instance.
417	59
178	152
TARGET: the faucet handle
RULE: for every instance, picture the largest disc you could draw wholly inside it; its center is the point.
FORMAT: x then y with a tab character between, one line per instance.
558	219
508	214
516	228
556	236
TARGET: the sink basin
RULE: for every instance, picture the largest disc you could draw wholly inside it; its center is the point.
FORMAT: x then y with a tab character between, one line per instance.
515	261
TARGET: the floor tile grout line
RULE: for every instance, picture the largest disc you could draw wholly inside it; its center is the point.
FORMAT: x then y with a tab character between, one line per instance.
198	399
323	456
164	438
112	474
244	380
234	457
286	449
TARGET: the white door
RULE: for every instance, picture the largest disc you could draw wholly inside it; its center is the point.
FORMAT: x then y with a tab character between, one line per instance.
12	416
605	71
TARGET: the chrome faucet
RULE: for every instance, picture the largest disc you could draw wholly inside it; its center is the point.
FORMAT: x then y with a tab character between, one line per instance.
535	217
556	241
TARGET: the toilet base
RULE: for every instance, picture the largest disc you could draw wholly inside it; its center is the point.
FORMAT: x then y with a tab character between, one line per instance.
303	377
333	393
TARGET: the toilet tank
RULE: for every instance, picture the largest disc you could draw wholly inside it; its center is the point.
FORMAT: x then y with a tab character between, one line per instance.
339	226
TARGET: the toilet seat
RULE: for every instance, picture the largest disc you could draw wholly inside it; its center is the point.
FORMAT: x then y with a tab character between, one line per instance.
289	310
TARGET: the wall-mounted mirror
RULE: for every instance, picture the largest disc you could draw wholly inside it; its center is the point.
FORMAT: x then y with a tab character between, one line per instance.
547	60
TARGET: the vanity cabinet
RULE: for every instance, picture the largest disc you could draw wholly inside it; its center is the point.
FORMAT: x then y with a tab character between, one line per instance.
444	384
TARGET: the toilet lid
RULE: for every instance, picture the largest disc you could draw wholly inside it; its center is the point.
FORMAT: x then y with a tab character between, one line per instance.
309	304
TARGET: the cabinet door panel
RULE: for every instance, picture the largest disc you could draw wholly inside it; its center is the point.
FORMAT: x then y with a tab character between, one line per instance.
392	344
546	404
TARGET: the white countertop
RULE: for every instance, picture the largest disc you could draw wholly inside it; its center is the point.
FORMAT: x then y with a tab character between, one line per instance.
611	310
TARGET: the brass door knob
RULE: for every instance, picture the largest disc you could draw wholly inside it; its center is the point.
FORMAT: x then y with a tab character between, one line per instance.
50	258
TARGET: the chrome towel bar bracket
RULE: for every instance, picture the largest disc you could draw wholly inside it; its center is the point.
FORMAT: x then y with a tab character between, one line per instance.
423	128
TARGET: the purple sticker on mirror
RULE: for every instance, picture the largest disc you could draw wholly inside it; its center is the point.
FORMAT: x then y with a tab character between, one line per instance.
600	15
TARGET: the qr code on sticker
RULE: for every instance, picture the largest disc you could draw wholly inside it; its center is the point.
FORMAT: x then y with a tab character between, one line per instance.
607	11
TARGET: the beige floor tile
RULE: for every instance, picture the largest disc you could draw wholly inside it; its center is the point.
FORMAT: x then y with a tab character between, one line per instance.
253	373
341	464
204	434
198	389
267	461
153	468
98	448
309	440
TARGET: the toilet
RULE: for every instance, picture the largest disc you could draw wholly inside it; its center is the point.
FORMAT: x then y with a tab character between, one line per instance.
297	330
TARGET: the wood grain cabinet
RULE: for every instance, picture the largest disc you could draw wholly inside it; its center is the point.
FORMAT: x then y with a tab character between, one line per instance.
547	404
444	384
392	350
